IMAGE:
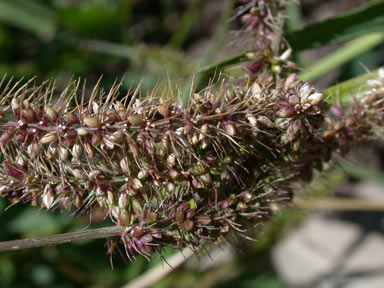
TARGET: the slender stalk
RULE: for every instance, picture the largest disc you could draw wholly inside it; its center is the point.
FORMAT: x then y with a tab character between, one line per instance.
60	238
158	272
340	204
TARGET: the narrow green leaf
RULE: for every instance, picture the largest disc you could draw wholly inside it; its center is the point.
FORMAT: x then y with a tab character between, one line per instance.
342	55
185	26
366	19
29	16
363	172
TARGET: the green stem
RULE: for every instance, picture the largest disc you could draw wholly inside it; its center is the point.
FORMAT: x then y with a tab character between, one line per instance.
60	238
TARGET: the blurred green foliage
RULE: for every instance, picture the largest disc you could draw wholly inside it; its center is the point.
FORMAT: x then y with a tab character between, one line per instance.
54	39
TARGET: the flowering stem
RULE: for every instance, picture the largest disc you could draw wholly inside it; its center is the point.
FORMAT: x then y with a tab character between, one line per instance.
60	238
